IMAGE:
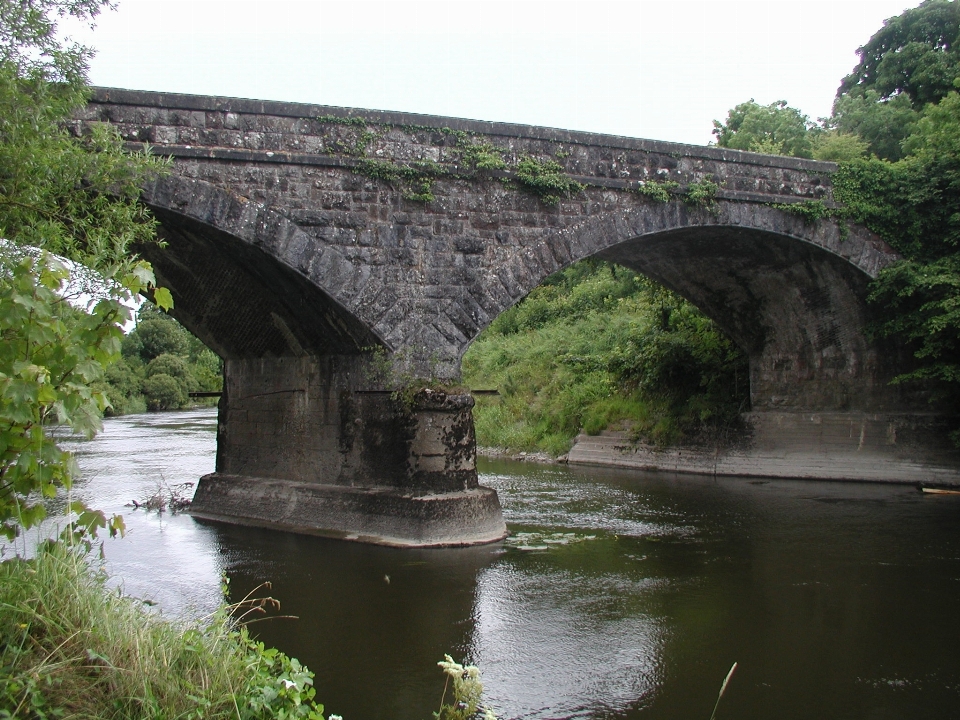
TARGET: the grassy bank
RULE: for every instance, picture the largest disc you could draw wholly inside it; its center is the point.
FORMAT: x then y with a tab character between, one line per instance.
597	346
70	647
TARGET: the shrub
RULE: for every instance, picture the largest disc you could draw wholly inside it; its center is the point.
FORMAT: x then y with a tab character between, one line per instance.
163	392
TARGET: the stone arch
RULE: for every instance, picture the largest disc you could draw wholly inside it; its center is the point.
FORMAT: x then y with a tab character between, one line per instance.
246	280
789	291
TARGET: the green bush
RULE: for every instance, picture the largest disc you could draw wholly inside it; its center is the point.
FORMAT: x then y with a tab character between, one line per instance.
159	337
163	392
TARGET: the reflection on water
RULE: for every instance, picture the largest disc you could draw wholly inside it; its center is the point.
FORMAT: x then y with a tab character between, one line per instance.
837	600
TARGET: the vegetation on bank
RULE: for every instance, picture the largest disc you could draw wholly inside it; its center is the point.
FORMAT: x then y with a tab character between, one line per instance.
161	363
599	345
70	647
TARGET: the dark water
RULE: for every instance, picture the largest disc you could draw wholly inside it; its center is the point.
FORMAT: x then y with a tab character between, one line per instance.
620	595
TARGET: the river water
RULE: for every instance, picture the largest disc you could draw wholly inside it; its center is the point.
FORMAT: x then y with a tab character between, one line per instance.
618	595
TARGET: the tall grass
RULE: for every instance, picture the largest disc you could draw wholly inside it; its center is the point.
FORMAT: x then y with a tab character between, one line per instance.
598	346
71	648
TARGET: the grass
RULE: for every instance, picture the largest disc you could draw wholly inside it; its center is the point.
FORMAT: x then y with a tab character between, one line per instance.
72	648
598	346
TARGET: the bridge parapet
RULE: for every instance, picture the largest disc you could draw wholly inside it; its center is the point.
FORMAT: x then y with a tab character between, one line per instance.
237	130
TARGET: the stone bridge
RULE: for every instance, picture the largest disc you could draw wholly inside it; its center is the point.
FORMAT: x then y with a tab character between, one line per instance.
330	255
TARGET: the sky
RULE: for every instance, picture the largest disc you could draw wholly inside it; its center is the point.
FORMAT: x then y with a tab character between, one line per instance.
658	69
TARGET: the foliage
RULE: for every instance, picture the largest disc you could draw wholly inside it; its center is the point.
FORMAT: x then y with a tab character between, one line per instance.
69	646
593	347
467	693
76	197
702	192
477	155
882	123
903	89
914	54
835	146
415	180
658	191
775	129
545	179
924	300
50	356
163	392
809	210
162	363
157	336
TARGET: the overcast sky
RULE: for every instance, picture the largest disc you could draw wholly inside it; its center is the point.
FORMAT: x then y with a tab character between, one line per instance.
661	69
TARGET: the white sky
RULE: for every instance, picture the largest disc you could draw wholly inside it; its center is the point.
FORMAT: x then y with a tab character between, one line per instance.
661	69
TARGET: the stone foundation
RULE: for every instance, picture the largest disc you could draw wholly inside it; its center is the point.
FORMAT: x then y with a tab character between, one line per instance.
306	444
383	516
902	448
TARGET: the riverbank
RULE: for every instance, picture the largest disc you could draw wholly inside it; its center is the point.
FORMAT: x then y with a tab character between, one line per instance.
820	446
908	449
70	646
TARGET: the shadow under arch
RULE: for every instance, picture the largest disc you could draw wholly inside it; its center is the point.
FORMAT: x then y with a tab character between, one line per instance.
246	280
791	293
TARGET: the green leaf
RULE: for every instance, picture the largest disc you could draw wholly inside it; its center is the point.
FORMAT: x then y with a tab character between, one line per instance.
163	298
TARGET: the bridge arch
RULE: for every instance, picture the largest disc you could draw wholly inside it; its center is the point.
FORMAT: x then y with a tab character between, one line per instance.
246	280
790	292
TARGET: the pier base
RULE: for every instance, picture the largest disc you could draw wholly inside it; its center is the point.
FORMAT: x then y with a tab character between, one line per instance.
307	445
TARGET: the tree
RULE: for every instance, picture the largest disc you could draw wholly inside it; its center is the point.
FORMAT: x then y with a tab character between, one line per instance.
915	54
65	201
920	296
910	63
161	336
882	123
776	129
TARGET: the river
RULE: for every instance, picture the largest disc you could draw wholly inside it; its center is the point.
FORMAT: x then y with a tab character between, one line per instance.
619	594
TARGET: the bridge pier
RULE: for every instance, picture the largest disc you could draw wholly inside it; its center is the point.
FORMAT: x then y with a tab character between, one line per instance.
309	444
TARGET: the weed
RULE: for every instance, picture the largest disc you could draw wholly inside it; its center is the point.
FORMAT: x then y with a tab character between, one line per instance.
659	191
71	647
545	179
467	693
702	193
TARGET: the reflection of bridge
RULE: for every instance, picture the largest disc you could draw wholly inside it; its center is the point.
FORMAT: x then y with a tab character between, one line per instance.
326	252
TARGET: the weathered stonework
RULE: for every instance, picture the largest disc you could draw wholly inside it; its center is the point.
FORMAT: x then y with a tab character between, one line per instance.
334	458
883	447
289	257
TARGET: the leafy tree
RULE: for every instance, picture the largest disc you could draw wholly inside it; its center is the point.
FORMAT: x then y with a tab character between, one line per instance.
163	392
883	123
75	197
776	129
909	64
914	54
836	146
161	336
915	205
121	384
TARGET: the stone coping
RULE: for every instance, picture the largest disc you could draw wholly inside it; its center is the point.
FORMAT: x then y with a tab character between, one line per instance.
181	101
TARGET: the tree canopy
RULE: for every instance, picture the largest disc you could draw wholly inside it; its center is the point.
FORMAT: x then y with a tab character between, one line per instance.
915	54
776	129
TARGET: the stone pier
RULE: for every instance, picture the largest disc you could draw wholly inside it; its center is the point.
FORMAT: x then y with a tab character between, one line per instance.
303	444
